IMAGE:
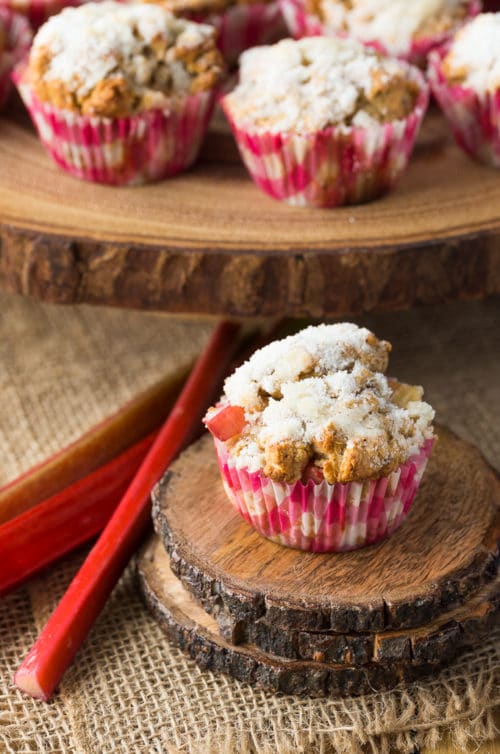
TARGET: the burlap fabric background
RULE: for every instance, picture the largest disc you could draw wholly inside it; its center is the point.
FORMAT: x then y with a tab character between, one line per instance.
62	370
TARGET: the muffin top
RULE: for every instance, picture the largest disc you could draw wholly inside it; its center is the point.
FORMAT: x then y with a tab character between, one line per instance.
474	56
112	59
316	82
394	23
320	399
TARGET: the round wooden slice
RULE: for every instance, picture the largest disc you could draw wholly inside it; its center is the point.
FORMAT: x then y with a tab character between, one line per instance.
438	641
196	633
445	550
209	241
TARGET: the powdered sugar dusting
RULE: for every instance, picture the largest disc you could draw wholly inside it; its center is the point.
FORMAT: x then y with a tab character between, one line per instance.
393	22
322	394
308	84
474	56
94	41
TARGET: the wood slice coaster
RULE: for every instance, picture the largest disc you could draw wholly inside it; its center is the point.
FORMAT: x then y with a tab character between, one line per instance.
443	553
440	640
196	633
208	241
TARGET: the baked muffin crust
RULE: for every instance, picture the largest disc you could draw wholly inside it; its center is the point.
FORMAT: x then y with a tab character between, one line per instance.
474	55
316	82
321	398
394	23
112	59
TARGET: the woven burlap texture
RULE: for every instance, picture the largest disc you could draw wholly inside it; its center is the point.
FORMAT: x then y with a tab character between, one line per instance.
62	370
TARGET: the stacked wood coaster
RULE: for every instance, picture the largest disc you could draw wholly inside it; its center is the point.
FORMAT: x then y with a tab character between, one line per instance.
326	624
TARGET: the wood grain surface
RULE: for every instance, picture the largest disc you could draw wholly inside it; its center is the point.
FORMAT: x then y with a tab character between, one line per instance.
210	242
196	633
444	551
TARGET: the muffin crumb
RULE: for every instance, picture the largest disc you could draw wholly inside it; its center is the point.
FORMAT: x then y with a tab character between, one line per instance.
321	398
473	59
316	82
111	59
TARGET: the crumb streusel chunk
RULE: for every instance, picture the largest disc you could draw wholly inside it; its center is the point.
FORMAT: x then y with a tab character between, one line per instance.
112	59
321	397
316	82
394	23
474	56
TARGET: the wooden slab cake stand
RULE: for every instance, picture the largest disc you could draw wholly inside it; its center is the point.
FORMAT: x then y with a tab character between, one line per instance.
326	623
209	241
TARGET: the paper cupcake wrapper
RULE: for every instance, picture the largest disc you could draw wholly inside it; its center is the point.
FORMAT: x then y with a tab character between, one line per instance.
302	24
38	11
19	37
335	166
474	118
323	517
145	147
244	26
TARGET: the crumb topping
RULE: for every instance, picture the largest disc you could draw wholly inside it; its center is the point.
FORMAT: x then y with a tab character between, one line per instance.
316	82
113	59
321	397
395	23
474	58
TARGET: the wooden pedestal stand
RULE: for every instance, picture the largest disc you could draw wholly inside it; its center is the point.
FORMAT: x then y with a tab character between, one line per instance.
209	242
328	623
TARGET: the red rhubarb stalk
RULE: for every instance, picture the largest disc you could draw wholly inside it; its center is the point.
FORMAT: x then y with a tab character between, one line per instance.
133	421
69	624
66	520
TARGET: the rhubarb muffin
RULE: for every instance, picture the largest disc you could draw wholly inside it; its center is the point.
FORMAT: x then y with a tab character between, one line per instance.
317	448
121	93
323	121
15	41
465	79
240	24
408	30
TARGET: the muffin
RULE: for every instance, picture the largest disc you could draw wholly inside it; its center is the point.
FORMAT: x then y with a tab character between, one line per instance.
325	122
465	80
317	448
408	30
15	41
121	94
240	24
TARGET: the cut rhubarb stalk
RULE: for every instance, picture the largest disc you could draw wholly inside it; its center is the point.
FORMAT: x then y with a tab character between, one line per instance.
75	614
132	422
57	526
226	422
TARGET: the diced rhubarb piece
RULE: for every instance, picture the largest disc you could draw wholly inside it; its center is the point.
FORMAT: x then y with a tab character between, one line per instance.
313	472
226	422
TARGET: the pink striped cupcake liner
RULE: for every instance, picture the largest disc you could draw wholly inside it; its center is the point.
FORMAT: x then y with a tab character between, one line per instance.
474	118
322	517
18	37
244	26
302	24
38	11
149	146
333	167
